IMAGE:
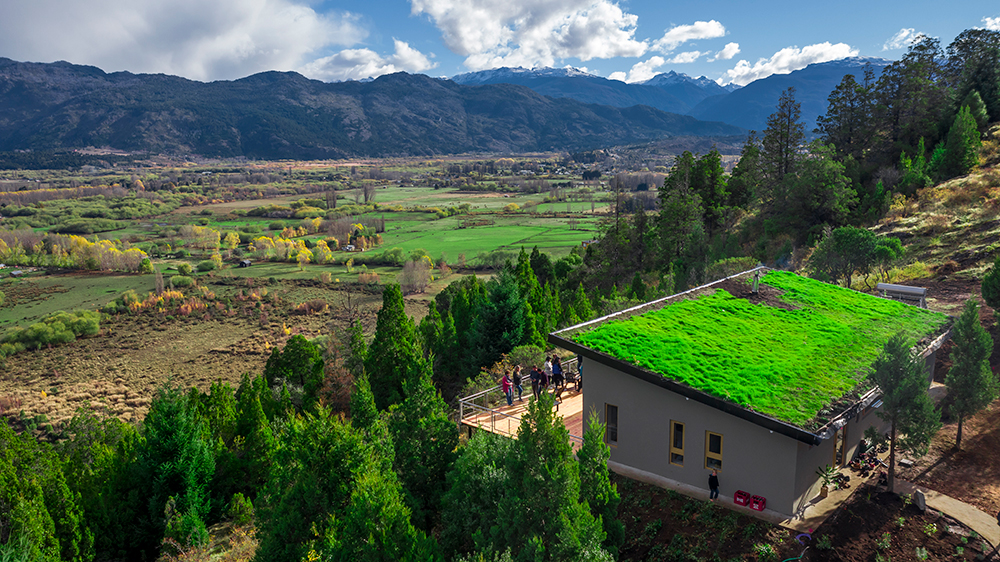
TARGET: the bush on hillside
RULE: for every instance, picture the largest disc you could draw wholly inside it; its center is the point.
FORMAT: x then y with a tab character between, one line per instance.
991	286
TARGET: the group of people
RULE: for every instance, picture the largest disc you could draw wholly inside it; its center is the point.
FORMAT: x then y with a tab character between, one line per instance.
550	375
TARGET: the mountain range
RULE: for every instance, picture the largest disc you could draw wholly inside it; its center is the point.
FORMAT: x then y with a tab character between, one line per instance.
750	106
747	107
671	92
275	115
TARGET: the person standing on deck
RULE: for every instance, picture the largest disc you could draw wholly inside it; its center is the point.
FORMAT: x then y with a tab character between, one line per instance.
713	485
505	385
517	382
558	381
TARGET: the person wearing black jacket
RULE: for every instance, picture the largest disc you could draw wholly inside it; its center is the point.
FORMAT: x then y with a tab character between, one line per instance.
517	382
713	485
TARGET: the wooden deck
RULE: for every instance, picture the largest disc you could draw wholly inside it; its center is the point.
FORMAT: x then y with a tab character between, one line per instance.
504	419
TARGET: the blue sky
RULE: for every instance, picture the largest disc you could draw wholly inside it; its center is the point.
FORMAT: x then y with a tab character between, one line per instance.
332	40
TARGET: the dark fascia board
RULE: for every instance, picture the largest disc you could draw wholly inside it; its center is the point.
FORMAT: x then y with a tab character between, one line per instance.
686	391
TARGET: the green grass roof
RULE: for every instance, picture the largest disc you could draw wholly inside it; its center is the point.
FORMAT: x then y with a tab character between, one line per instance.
787	364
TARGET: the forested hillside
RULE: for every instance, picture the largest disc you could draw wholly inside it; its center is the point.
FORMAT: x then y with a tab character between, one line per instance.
285	115
880	142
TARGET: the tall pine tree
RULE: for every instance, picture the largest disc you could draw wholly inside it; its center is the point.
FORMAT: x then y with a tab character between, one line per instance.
970	381
394	357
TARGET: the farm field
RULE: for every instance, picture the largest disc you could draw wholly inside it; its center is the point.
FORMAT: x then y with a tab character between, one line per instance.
135	353
31	298
556	236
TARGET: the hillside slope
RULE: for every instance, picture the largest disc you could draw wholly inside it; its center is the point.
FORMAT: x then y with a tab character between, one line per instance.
276	115
953	227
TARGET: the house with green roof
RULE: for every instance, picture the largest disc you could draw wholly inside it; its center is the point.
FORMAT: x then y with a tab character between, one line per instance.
761	375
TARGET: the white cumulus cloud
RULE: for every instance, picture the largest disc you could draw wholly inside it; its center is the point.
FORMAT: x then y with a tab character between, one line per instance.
357	64
902	39
727	52
787	60
193	38
685	57
492	33
680	34
641	71
644	70
992	23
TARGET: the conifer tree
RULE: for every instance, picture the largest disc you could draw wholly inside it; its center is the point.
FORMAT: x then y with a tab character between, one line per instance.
595	484
394	356
977	108
366	418
331	499
849	122
637	290
424	440
177	465
502	323
991	285
709	182
962	147
970	381
477	482
782	138
40	516
542	518
430	329
581	304
747	177
906	405
680	210
257	443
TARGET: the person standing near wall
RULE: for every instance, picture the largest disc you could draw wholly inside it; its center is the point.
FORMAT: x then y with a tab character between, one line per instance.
713	485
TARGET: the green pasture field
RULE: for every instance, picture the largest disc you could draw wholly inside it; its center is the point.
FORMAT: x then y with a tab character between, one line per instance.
283	270
41	296
509	232
787	364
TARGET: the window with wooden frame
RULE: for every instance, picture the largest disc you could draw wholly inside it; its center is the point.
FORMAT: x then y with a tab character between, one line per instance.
713	450
611	424
677	443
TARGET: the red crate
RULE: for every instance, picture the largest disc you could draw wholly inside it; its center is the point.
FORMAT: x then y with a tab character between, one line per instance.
741	498
758	503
